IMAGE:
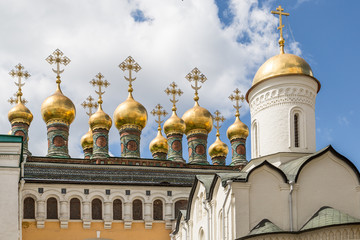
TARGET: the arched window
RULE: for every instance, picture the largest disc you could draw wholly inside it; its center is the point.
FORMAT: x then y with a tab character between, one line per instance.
296	130
117	209
137	210
29	208
180	205
51	208
96	209
256	140
158	210
75	209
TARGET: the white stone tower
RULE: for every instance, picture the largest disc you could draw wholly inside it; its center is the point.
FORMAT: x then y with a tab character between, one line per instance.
282	105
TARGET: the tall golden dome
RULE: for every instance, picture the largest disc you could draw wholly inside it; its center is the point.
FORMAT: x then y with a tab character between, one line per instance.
130	112
237	130
20	113
159	144
218	148
87	141
100	120
174	125
58	108
197	118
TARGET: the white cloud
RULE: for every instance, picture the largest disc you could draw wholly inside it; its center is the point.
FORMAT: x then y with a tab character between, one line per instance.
175	37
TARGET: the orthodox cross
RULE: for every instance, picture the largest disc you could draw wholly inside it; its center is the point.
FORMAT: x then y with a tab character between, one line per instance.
130	65
173	91
196	76
19	73
218	119
90	105
98	81
280	13
237	98
58	58
157	111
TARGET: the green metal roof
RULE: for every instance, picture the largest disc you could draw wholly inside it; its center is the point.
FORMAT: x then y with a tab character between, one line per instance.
10	138
328	216
292	167
206	180
265	226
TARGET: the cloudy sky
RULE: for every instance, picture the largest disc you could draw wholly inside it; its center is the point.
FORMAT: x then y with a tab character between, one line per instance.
227	40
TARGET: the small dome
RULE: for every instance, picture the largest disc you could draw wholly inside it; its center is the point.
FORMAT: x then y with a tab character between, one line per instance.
58	108
158	144
87	141
198	118
130	112
174	125
20	113
237	130
100	120
218	149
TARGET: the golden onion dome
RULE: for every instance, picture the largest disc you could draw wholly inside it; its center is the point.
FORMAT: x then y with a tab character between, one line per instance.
130	112
58	108
198	118
174	125
20	114
282	65
218	149
87	141
158	144
100	120
237	130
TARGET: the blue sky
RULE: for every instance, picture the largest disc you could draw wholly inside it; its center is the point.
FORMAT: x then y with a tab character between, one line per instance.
227	40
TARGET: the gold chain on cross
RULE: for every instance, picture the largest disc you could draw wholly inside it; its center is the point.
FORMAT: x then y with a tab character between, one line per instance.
90	105
18	73
237	98
174	92
218	118
130	65
157	111
58	58
98	81
196	76
281	26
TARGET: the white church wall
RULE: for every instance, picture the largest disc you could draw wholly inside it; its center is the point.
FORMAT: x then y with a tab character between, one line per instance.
326	181
271	104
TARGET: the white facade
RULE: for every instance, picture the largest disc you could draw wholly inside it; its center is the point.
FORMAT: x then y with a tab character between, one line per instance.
10	154
288	196
273	106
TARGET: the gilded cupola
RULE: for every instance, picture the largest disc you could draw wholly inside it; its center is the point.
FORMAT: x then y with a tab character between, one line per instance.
87	141
130	112
174	125
238	129
197	118
218	150
159	145
58	108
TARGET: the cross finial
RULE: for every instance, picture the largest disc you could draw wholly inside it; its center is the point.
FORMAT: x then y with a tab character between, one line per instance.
14	99
19	73
218	119
157	111
196	76
130	65
98	81
237	98
174	92
58	58
90	105
280	13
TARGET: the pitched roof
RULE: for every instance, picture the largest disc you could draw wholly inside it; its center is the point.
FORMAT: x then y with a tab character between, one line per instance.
265	226
328	216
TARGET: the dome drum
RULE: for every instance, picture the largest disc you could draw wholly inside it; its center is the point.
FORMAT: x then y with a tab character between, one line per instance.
197	145
100	143
175	152
21	129
57	136
130	142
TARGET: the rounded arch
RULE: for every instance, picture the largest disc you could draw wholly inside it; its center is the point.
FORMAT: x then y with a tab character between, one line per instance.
158	209
51	193
75	208
29	208
113	197
272	167
180	204
117	205
97	208
52	207
74	193
137	209
255	139
96	194
31	194
297	128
